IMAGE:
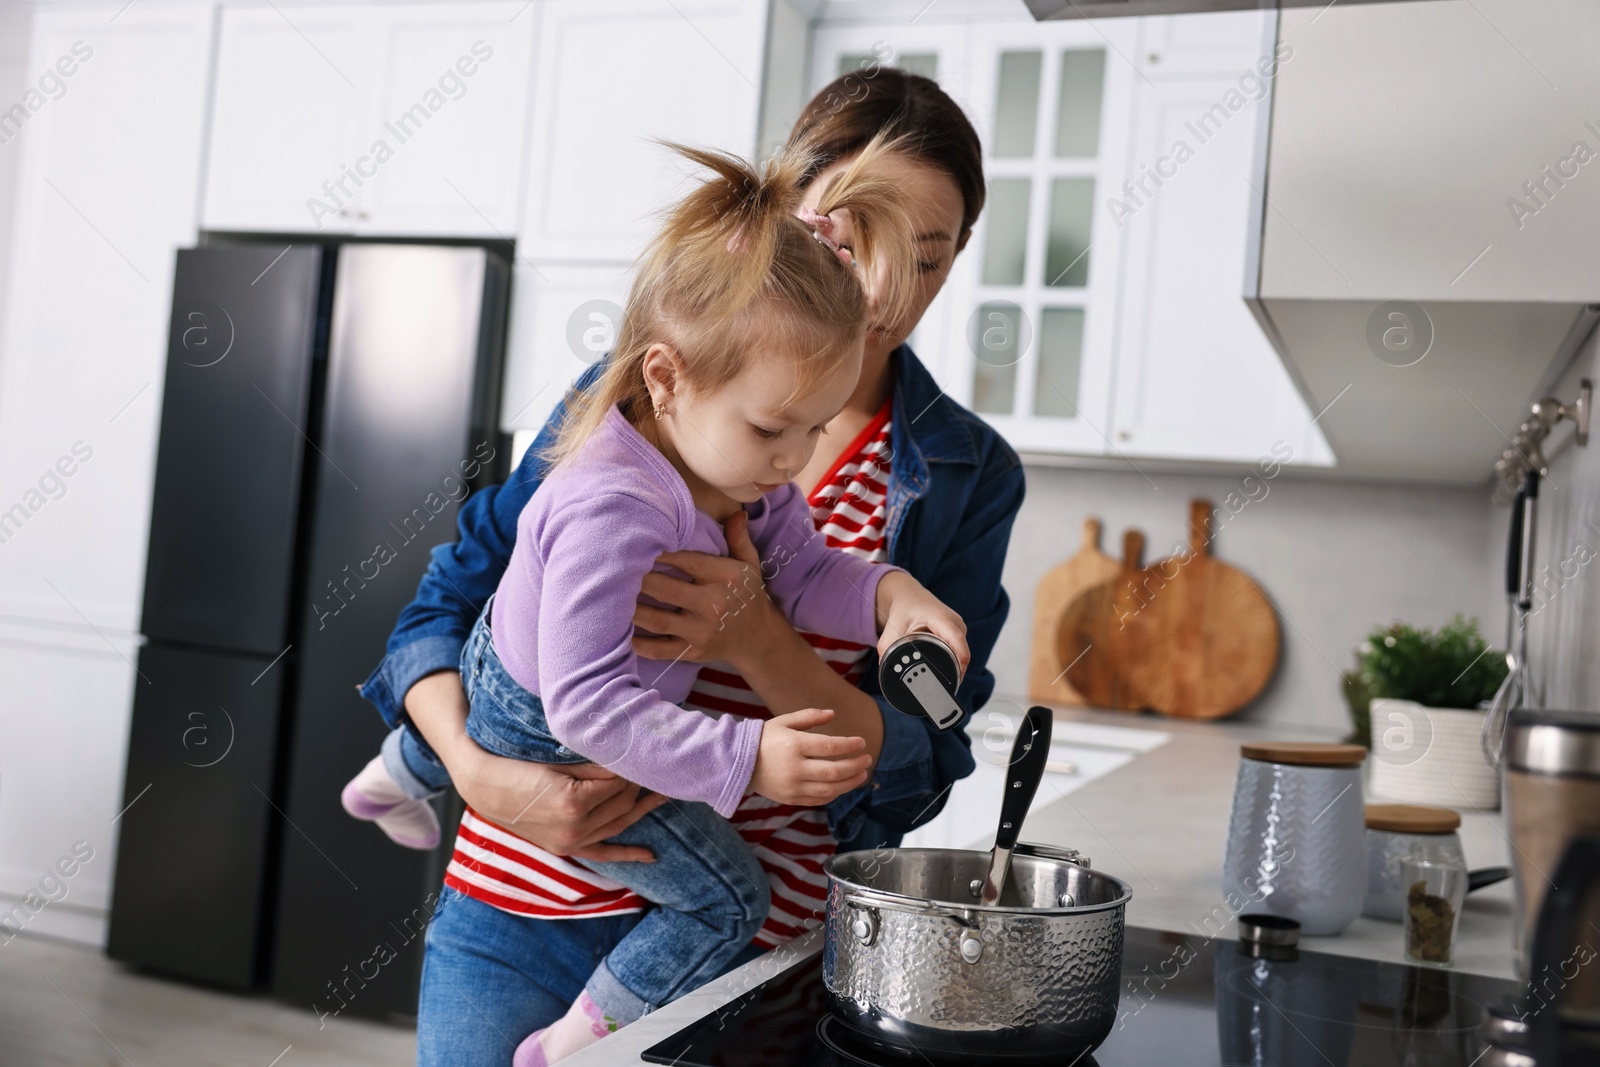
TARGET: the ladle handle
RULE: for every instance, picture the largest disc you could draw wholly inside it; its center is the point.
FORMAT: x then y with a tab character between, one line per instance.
1029	753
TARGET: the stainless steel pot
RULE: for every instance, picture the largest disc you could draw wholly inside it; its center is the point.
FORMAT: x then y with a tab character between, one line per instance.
912	958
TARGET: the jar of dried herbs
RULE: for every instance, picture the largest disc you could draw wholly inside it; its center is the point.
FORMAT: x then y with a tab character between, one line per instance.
1435	886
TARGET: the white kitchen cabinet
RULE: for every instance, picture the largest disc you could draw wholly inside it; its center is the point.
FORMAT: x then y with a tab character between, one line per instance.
459	172
1024	332
614	77
1195	376
391	121
106	194
271	152
68	696
564	318
1074	325
107	186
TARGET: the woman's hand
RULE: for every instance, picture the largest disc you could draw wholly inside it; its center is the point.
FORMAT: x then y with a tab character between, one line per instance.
567	810
724	614
906	607
796	766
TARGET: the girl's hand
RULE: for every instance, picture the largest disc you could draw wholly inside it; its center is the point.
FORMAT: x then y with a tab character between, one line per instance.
906	608
795	766
723	609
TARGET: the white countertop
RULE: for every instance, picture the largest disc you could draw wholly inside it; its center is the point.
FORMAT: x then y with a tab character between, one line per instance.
1160	823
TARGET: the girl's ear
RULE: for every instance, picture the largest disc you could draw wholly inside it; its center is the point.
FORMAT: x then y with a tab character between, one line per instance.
662	373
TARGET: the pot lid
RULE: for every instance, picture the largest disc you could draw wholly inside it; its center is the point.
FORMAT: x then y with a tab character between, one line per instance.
1554	742
1411	819
1304	753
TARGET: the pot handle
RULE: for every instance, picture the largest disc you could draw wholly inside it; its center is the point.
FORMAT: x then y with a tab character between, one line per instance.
1052	852
866	898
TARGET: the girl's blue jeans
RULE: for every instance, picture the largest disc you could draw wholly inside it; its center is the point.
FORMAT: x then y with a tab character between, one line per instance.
712	893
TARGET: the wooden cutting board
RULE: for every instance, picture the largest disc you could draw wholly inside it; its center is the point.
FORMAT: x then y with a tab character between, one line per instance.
1061	585
1205	642
1091	635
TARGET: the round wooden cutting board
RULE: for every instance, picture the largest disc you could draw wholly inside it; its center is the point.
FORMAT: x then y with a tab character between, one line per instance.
1061	585
1205	642
1091	634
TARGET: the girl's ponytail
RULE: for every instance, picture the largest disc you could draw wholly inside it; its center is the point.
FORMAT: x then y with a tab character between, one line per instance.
734	270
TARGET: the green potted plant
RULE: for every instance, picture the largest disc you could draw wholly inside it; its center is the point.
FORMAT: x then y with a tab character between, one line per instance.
1428	690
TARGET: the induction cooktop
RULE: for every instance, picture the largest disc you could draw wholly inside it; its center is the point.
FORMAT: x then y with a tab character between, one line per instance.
1186	1000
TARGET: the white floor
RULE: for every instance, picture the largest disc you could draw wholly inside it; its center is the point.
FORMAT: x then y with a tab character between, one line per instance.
67	1006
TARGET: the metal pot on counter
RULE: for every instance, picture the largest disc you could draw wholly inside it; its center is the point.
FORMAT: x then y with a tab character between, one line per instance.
978	955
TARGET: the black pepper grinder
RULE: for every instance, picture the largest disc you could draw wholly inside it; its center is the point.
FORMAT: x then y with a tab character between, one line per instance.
919	676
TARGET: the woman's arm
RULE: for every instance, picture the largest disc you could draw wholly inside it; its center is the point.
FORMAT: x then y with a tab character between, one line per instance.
567	810
726	616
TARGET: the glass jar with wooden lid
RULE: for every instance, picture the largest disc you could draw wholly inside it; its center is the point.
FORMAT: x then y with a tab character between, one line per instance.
1395	831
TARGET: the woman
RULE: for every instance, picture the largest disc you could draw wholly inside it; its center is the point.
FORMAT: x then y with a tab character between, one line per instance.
944	512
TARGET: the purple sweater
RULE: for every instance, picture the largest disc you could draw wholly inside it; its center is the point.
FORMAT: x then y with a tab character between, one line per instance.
563	615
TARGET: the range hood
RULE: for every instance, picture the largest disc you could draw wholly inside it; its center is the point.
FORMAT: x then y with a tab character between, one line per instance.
1043	10
1425	256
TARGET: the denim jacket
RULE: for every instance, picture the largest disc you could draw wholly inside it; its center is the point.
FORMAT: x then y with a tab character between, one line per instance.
954	491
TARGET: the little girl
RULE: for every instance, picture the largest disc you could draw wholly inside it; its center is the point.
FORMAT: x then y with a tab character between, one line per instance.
743	338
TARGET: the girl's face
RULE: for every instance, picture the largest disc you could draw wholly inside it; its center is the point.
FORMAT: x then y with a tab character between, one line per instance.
750	435
935	205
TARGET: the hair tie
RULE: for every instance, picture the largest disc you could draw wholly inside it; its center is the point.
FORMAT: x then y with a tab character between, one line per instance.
822	227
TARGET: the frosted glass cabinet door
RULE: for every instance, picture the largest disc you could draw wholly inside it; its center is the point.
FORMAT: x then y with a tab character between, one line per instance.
290	107
613	77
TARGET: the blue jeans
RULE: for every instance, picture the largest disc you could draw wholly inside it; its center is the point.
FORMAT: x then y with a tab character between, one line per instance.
491	978
412	764
712	891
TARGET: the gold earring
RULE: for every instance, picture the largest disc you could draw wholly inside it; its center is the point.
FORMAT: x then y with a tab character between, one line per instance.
660	412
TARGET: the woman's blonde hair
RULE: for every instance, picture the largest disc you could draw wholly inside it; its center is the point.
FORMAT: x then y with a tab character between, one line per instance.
734	269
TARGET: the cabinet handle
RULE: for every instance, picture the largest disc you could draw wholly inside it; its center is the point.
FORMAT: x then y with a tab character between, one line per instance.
1153	57
1123	435
363	216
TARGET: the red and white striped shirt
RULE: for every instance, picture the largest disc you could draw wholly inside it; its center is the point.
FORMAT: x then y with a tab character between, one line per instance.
849	507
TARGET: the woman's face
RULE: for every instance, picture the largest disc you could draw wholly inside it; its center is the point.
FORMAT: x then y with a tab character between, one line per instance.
936	211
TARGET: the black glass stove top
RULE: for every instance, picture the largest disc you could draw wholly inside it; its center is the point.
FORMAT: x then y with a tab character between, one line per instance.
1186	1000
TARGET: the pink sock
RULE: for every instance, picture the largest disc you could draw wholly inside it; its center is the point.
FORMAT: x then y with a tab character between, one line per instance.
582	1025
376	797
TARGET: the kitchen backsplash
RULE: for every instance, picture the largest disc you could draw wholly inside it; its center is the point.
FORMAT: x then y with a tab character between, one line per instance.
1336	558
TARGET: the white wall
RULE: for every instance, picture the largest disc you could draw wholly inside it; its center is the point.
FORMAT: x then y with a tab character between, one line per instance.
1565	623
1336	558
16	23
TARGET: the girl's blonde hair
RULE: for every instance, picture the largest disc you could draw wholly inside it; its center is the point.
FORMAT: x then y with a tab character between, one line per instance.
734	269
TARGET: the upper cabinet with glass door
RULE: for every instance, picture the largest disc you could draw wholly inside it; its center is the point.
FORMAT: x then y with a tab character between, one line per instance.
1023	331
1070	326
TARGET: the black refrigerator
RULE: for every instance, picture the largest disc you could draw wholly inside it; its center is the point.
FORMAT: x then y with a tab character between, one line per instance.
326	409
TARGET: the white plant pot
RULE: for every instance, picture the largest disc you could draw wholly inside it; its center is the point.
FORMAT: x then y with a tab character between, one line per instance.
1424	755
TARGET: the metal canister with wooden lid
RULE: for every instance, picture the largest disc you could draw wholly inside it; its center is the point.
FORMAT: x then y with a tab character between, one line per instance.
1295	841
